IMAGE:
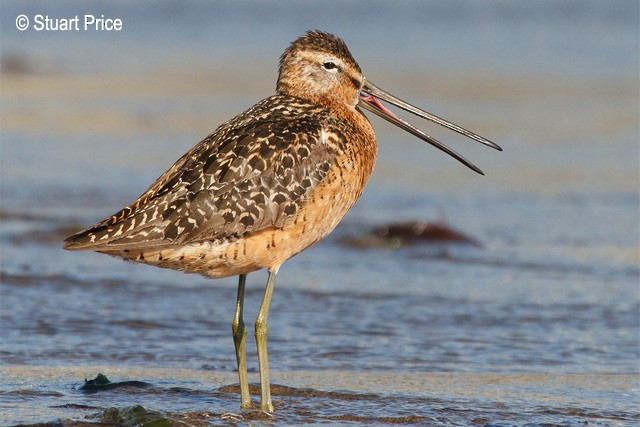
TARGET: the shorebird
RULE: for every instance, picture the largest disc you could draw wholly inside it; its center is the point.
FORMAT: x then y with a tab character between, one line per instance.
265	185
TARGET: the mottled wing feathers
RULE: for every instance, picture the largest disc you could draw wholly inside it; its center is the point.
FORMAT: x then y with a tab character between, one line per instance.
253	172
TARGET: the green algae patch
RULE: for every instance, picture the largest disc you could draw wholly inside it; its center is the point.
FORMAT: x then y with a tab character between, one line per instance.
102	383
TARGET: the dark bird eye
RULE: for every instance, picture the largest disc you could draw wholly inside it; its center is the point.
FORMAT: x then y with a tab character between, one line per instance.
329	65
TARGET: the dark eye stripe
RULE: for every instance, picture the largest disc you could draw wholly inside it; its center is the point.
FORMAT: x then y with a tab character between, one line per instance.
355	82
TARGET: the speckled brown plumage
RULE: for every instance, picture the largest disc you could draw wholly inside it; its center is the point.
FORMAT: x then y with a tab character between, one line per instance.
259	171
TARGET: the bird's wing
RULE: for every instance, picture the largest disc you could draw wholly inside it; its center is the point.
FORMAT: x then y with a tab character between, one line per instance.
253	172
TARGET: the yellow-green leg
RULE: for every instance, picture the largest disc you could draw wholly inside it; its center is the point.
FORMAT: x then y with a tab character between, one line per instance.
239	339
262	331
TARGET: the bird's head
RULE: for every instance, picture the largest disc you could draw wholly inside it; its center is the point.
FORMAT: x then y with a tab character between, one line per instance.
318	66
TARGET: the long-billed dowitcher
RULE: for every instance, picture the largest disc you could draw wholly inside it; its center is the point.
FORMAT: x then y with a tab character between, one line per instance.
265	185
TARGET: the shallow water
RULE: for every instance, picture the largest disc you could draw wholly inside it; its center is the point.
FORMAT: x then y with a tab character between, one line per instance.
537	325
337	398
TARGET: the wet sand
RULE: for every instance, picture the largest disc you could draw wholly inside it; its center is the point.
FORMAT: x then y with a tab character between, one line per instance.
329	397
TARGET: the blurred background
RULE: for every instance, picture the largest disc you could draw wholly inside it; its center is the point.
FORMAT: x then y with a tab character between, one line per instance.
546	304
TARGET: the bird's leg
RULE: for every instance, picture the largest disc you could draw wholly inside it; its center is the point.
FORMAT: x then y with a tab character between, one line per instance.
262	330
239	339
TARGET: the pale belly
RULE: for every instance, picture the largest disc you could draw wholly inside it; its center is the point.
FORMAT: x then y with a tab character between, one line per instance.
267	248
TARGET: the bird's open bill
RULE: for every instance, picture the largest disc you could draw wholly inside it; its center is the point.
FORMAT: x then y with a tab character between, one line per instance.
370	96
